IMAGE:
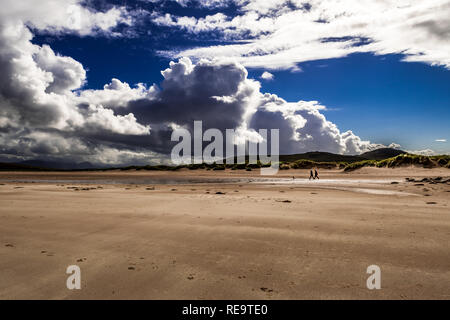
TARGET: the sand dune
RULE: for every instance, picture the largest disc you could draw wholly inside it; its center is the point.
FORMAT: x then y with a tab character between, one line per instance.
226	236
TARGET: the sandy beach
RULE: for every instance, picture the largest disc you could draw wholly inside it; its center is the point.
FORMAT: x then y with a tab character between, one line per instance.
225	235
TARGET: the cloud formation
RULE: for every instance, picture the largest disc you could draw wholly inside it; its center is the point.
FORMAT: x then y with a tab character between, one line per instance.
267	76
45	112
279	34
62	16
42	114
304	128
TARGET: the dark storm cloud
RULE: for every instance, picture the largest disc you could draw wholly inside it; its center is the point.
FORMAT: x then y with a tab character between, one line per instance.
207	92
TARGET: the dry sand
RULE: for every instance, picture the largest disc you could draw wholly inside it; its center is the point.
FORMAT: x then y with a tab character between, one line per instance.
286	239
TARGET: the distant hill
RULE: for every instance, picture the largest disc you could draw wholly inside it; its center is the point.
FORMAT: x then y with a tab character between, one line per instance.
317	156
19	167
58	165
320	157
381	154
42	165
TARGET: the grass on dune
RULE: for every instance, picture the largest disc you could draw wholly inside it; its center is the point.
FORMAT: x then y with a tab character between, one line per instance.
403	160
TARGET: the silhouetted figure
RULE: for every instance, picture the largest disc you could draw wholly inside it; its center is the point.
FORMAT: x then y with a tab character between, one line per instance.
311	175
316	174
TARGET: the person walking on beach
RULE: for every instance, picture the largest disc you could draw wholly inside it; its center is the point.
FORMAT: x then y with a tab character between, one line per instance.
311	175
316	174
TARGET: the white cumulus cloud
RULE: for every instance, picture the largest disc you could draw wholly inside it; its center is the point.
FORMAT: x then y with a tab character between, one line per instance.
267	76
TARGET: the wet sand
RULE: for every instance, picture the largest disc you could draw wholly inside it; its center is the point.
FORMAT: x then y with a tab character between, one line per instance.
225	235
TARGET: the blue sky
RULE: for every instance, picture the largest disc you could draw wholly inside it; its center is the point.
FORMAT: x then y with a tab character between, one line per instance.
378	72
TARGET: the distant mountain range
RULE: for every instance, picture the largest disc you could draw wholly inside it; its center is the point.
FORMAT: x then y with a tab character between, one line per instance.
57	165
42	165
378	154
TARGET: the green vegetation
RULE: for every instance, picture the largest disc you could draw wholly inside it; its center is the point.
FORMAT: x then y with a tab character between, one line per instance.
308	164
403	160
360	164
319	157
